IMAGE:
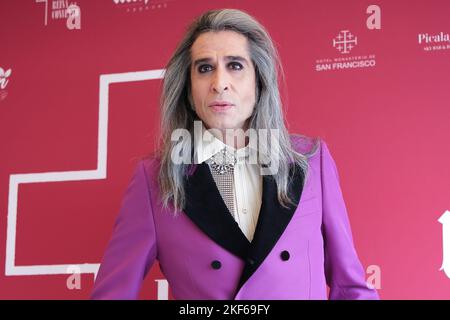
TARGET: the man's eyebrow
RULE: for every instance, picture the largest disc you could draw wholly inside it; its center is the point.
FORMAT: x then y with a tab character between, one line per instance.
229	58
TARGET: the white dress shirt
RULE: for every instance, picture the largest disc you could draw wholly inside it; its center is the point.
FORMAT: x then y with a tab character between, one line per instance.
247	180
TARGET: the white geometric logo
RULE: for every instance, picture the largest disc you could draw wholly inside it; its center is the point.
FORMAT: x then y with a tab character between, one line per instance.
345	41
11	269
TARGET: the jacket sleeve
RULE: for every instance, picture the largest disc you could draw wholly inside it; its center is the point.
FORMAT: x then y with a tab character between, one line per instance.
344	272
131	250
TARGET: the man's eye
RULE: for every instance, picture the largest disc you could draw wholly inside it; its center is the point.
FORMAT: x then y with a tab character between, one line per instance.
204	68
236	66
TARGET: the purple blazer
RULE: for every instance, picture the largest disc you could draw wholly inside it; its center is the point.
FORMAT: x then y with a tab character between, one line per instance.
296	252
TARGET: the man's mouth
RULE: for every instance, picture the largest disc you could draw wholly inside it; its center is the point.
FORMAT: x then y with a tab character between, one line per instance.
221	105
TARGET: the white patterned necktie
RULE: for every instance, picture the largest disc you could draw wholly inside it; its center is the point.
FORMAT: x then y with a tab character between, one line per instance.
222	170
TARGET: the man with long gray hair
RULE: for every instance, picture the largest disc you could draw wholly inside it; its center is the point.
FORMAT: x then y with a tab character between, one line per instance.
231	205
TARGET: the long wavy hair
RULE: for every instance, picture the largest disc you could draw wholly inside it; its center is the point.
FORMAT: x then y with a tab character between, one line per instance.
177	111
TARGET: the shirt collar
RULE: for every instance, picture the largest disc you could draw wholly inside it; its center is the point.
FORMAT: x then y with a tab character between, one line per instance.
207	145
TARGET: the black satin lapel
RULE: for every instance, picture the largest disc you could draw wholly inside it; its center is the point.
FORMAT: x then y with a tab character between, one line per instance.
272	221
206	208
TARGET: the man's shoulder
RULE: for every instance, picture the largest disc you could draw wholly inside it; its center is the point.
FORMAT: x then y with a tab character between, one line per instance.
150	164
304	144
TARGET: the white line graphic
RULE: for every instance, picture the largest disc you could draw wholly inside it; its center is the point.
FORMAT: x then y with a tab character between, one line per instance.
445	219
46	9
11	269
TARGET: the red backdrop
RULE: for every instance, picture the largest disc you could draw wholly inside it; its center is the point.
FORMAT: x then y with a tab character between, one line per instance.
79	105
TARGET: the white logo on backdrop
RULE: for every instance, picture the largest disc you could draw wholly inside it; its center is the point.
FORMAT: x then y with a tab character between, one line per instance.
345	41
63	10
434	38
434	42
4	78
4	75
141	5
130	1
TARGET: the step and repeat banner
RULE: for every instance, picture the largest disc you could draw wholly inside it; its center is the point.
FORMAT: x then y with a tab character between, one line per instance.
79	89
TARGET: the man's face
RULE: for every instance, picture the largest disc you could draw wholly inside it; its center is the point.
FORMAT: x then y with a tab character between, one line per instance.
222	73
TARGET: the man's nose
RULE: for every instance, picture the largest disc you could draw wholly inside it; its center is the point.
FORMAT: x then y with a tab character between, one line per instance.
220	81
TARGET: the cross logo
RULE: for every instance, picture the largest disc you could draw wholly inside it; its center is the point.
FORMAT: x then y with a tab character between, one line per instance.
345	41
